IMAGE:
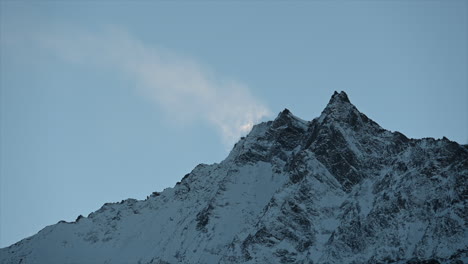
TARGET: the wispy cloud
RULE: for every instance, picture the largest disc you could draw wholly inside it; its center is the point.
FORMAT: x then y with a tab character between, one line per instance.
182	87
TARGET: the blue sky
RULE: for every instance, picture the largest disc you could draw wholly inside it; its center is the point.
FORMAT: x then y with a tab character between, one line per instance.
102	101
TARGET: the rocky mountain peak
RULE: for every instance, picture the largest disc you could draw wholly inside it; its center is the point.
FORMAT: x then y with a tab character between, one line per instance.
286	118
339	108
337	189
339	97
341	112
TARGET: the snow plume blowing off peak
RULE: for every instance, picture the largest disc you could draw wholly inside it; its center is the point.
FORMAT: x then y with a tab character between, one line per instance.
183	88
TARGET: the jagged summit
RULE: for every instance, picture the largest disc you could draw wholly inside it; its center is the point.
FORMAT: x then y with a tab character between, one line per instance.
283	115
336	189
337	101
339	97
285	112
338	109
286	118
339	106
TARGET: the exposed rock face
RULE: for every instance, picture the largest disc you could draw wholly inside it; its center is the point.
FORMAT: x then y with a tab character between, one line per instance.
337	189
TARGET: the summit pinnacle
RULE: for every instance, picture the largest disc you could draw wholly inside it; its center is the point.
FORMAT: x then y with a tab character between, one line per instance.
341	96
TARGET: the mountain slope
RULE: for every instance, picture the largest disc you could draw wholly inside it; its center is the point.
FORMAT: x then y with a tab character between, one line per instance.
337	189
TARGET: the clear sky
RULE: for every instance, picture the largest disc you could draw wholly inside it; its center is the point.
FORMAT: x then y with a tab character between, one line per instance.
106	100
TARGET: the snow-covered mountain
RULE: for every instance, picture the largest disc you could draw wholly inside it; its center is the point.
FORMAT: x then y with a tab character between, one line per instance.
337	189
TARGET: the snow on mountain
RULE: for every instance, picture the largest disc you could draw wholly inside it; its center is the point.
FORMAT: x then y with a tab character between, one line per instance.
337	189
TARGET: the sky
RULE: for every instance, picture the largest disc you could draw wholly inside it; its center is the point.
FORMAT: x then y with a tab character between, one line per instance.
102	101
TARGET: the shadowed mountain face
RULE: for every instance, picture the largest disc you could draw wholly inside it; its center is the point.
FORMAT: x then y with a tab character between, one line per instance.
337	189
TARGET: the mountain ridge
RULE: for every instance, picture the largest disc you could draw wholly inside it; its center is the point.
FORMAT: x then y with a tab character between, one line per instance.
336	189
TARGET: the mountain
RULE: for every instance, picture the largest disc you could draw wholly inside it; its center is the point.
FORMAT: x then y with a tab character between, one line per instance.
337	189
